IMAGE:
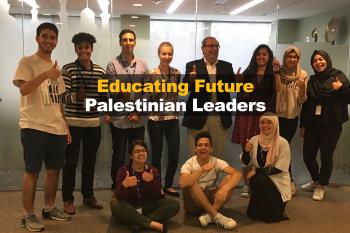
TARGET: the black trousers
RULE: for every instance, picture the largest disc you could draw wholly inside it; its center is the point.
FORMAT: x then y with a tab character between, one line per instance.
90	138
121	138
265	202
288	127
157	130
323	138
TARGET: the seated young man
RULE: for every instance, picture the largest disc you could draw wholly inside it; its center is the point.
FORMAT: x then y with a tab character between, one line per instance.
198	178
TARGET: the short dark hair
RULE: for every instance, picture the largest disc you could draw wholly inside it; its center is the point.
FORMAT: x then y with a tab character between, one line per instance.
46	25
137	142
203	134
125	31
83	37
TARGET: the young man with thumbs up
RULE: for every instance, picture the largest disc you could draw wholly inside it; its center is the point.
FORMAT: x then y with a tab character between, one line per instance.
212	70
44	131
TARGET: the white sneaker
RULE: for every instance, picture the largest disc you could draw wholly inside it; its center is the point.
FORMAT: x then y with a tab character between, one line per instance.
224	222
318	194
309	187
245	191
293	188
205	219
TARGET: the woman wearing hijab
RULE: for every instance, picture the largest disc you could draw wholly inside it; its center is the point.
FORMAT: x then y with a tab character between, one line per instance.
269	155
322	116
290	96
259	72
140	198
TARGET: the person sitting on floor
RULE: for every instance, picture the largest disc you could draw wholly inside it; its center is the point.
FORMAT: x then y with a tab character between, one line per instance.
140	198
197	179
269	155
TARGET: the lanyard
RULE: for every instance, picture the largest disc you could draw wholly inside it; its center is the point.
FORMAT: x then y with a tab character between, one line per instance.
138	186
164	76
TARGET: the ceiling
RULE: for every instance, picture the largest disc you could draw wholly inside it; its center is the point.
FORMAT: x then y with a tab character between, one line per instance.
207	9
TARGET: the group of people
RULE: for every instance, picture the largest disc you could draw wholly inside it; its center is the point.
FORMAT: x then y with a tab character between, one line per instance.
54	123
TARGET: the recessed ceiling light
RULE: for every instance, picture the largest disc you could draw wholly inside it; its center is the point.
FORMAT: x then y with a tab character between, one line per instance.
46	14
134	17
132	25
137	4
59	23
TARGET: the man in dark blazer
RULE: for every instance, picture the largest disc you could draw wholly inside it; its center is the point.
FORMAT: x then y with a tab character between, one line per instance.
212	70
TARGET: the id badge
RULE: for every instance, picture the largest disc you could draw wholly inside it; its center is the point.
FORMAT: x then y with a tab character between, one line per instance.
139	210
318	110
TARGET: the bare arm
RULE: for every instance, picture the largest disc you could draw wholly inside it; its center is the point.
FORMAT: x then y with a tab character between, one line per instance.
235	178
186	180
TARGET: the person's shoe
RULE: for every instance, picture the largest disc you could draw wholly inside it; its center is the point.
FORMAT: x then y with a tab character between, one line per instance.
32	223
172	192
309	187
68	207
245	191
55	214
92	203
318	194
205	219
293	188
224	222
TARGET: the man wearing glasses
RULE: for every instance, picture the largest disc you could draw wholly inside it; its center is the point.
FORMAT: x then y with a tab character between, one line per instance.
212	70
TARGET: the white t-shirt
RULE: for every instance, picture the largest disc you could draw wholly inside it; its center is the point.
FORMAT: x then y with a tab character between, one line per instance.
40	109
208	179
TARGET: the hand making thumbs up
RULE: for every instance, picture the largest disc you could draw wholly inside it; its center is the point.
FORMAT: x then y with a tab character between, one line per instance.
337	84
148	176
53	73
129	181
193	73
248	146
239	76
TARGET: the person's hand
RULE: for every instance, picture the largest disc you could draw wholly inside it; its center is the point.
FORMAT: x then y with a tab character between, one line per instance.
133	117
129	181
148	176
248	146
250	174
193	73
221	194
68	137
302	132
107	119
239	76
301	85
276	65
207	167
337	84
53	73
81	94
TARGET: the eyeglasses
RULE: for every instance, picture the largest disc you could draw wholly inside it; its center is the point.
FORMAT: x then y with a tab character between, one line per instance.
293	57
212	46
139	151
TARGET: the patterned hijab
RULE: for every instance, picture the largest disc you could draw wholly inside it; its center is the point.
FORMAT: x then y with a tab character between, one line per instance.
285	72
271	142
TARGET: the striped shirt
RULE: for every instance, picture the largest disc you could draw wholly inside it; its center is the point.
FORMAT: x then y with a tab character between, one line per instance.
77	77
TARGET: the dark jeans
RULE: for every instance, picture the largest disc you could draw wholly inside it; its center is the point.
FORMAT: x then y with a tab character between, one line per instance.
91	137
121	138
323	138
265	202
157	130
288	128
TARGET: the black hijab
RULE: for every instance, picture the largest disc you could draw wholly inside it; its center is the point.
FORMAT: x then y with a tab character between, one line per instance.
320	83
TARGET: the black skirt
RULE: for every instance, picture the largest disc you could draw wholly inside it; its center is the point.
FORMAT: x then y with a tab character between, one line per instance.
265	200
